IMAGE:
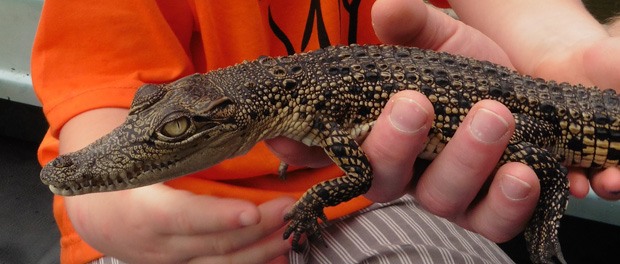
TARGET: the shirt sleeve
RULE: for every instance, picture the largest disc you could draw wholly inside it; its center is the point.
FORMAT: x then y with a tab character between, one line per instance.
93	54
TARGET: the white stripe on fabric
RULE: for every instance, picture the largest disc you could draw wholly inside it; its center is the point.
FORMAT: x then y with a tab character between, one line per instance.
337	248
357	240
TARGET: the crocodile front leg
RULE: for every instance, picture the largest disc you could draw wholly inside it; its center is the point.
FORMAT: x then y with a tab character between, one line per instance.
348	155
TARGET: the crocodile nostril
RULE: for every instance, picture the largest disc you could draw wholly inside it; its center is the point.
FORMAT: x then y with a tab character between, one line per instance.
62	162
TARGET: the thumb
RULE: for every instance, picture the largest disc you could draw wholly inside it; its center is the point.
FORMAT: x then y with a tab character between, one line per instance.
413	23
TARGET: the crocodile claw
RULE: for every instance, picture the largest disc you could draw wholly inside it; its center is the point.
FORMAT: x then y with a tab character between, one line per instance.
303	219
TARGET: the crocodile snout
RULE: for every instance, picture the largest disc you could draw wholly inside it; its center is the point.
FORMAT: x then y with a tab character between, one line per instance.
62	162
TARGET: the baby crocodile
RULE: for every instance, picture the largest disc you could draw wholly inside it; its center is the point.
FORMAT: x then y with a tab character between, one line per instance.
331	97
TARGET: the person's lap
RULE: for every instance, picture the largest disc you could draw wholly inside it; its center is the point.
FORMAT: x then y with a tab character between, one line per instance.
395	232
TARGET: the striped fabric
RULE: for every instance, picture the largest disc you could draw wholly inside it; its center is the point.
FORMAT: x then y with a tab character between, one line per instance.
395	232
399	232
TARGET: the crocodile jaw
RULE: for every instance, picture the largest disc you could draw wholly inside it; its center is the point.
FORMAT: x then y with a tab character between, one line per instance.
120	160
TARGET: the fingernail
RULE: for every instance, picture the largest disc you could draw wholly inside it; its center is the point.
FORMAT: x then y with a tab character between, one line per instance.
248	219
407	115
514	188
487	126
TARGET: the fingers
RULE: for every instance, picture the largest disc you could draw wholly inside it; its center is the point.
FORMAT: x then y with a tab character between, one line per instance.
394	143
507	207
272	249
177	212
456	175
414	23
451	184
260	240
401	22
157	224
454	179
579	183
606	183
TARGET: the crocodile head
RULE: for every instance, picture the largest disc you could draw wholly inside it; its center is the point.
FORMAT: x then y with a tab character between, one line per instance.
171	130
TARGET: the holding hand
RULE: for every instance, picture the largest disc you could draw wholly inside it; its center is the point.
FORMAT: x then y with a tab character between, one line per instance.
159	224
557	40
452	182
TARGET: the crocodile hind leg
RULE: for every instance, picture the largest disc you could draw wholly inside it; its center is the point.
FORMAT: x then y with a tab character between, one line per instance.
541	233
347	154
529	145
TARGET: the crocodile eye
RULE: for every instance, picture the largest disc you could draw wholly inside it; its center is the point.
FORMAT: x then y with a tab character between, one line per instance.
176	127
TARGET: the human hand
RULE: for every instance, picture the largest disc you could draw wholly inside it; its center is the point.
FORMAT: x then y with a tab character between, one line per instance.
159	224
558	40
451	185
468	160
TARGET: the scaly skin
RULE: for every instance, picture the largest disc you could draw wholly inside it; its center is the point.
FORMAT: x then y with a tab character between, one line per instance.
331	97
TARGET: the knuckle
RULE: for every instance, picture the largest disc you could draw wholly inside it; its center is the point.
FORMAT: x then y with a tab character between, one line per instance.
157	256
221	246
440	205
183	224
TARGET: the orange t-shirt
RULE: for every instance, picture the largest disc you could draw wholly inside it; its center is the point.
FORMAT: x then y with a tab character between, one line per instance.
94	54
